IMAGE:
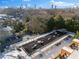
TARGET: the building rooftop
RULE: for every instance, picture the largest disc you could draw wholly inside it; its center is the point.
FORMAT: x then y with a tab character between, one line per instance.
47	53
42	47
3	14
31	47
7	28
74	55
52	49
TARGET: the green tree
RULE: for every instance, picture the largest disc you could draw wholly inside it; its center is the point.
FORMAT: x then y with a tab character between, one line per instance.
77	34
50	24
59	21
69	25
18	27
27	19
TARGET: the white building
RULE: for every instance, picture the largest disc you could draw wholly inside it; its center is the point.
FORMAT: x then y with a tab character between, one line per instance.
5	32
3	15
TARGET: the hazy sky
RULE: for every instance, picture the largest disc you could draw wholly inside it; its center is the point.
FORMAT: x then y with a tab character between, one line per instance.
39	3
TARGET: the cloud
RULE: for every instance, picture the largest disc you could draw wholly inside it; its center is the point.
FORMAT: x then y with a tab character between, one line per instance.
3	6
62	4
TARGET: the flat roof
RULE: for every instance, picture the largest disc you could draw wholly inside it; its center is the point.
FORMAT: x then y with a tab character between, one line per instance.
33	46
74	55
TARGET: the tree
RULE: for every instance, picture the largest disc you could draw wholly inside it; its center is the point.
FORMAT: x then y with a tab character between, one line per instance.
27	19
59	21
69	25
77	34
72	25
18	27
36	26
75	18
50	24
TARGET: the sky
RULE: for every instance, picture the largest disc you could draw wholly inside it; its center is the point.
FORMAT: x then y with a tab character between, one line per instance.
39	3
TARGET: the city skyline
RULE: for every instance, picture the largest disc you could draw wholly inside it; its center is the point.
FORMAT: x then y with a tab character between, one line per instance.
39	3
